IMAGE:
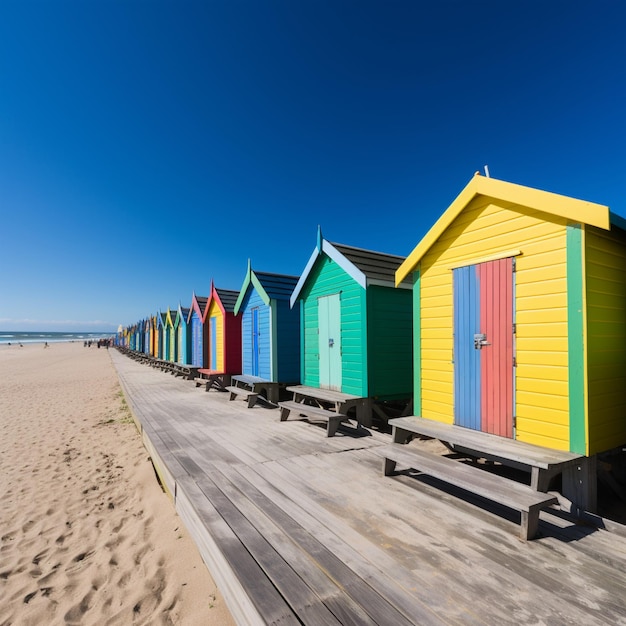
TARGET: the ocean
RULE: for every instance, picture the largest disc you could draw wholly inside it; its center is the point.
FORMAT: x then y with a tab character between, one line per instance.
16	337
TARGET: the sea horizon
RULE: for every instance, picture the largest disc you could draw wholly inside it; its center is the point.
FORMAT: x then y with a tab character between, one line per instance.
15	336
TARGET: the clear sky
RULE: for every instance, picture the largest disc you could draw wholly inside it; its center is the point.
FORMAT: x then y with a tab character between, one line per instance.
147	147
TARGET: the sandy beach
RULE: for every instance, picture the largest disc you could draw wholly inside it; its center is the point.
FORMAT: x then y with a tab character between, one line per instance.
87	536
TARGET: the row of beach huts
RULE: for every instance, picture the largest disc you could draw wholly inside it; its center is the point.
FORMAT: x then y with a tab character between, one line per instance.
508	318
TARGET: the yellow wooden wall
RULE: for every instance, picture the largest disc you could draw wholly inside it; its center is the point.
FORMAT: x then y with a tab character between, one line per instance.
216	312
605	254
483	230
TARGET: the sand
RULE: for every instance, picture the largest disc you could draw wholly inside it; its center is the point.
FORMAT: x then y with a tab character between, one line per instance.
87	536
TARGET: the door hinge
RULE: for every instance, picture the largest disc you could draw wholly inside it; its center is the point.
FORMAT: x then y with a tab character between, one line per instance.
514	328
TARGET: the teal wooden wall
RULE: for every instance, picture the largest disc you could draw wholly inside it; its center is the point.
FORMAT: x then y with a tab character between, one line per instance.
327	278
390	342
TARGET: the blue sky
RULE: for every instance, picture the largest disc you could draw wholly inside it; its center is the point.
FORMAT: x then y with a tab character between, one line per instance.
147	147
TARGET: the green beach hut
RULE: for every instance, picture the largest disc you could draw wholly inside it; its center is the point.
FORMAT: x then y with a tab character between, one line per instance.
356	328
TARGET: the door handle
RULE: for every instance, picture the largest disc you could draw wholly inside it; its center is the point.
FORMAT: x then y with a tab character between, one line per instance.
480	341
331	343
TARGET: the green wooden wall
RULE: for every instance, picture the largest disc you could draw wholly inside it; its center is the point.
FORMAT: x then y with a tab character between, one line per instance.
390	342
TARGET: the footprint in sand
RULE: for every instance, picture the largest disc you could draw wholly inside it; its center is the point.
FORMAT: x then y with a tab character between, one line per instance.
39	556
28	597
76	613
26	527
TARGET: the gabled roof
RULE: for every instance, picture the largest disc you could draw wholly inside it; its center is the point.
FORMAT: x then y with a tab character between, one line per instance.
269	286
364	266
181	314
576	211
228	298
198	304
168	317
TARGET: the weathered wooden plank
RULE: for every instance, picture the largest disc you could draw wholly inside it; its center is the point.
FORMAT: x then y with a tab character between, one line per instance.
296	593
249	594
380	609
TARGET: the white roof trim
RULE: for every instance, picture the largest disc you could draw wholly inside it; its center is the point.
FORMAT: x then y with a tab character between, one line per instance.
327	248
347	266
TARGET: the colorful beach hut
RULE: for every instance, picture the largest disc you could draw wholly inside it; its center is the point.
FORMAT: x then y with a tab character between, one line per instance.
196	324
171	343
155	339
224	331
270	332
183	337
146	338
520	318
356	327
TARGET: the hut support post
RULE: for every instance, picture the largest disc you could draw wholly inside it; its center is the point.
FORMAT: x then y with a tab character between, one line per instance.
580	485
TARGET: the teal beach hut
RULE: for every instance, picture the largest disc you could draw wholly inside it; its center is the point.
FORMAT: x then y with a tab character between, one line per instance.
183	336
270	328
356	328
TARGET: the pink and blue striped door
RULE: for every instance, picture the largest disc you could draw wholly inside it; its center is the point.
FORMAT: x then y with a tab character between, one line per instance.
483	347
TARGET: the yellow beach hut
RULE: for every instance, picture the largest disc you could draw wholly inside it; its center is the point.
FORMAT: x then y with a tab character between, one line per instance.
520	318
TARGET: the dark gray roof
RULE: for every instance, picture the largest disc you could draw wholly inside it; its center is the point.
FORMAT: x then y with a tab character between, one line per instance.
277	286
228	298
201	300
377	266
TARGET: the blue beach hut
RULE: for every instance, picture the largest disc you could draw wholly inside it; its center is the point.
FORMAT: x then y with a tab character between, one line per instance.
270	328
183	335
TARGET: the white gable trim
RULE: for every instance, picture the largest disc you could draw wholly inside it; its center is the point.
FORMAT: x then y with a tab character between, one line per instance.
349	268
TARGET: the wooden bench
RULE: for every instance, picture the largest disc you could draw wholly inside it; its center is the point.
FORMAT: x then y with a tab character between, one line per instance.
258	385
247	394
212	379
313	412
543	463
342	402
492	487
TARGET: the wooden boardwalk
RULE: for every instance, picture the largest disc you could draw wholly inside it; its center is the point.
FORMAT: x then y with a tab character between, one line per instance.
297	528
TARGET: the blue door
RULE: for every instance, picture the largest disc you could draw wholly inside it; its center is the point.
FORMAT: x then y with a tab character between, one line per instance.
466	357
255	342
196	341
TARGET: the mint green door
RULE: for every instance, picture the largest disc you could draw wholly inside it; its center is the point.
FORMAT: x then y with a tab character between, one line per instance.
329	320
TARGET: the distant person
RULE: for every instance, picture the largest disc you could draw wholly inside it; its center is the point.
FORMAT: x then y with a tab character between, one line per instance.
45	345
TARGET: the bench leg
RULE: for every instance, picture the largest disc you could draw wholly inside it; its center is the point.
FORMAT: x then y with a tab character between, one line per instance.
530	524
232	395
284	413
333	425
252	400
389	467
540	479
